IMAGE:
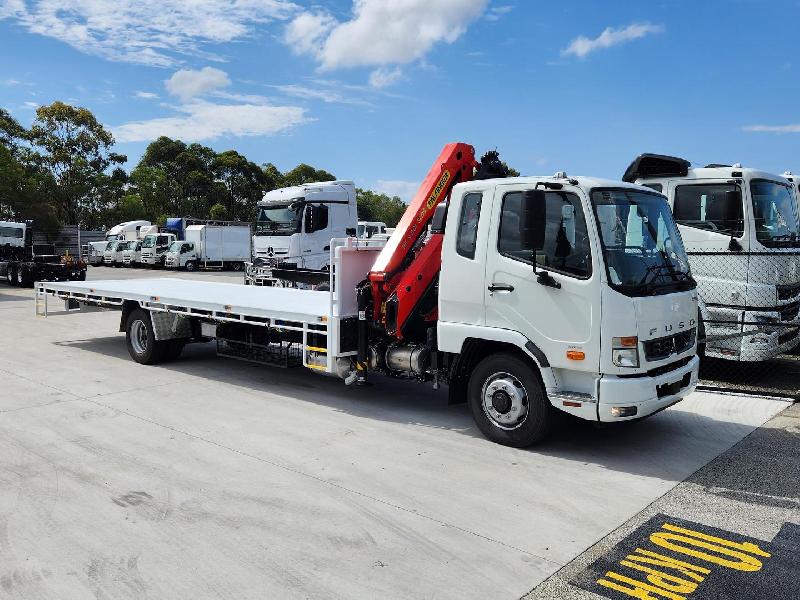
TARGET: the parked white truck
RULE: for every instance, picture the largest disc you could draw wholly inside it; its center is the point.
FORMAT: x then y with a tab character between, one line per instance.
741	227
132	254
294	228
127	231
210	246
155	247
553	293
112	255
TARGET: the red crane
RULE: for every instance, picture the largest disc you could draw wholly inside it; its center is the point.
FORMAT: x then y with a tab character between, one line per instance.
409	265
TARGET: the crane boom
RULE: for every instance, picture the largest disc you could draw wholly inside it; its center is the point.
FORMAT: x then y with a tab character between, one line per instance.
402	259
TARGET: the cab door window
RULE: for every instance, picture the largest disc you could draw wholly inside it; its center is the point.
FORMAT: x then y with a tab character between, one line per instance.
710	207
467	237
566	241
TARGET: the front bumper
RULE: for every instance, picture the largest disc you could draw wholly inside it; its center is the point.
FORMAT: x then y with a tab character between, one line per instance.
658	392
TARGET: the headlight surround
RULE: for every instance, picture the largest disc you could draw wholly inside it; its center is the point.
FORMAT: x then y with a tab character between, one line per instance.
625	352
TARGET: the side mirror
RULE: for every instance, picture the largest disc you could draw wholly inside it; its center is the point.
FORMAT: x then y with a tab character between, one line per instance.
533	219
350	232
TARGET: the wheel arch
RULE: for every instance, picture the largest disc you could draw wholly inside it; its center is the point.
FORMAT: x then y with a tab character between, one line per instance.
474	350
128	306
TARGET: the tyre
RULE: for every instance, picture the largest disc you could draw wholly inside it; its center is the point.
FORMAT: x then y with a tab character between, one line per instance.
23	278
141	340
508	401
81	276
173	349
191	266
11	276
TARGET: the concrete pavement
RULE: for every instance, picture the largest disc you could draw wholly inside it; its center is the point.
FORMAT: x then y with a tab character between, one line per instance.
208	478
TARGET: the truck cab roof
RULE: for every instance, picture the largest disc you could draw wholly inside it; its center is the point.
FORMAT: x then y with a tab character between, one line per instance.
581	181
658	167
312	192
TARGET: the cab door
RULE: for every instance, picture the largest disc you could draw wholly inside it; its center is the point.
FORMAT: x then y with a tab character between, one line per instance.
711	216
550	294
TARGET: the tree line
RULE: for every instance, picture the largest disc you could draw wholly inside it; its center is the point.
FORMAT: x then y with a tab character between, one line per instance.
63	171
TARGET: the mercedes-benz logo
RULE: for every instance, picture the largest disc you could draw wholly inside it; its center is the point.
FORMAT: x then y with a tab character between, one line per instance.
270	251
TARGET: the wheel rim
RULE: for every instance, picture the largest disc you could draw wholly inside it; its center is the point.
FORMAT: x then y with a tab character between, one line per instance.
505	401
9	276
20	277
139	337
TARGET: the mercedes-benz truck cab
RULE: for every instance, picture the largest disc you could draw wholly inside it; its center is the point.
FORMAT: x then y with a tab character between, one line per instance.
589	275
295	226
741	228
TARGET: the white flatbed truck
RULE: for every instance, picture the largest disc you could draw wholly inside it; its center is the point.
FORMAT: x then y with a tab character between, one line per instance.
524	295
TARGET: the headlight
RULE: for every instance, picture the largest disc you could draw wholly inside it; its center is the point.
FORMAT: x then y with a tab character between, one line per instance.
625	351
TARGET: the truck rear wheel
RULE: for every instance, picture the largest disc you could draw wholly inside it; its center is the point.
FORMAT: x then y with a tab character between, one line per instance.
508	401
141	340
23	277
11	276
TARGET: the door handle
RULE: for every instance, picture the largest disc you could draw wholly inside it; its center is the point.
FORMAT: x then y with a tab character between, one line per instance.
501	287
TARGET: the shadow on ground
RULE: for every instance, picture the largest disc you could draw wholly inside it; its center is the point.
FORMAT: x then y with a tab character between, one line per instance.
663	446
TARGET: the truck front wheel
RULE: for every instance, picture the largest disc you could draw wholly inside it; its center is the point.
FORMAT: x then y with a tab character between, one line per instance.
11	276
508	401
141	340
191	265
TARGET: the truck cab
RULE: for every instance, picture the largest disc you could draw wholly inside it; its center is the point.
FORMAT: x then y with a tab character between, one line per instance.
112	255
368	229
295	225
741	228
132	254
155	247
127	231
181	255
585	279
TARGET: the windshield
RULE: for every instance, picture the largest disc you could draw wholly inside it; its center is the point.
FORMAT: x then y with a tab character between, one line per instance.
149	241
279	220
175	246
642	247
775	213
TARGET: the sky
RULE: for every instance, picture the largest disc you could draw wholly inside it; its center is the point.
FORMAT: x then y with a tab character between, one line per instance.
370	90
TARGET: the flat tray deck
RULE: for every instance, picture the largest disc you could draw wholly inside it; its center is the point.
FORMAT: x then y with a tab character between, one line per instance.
272	302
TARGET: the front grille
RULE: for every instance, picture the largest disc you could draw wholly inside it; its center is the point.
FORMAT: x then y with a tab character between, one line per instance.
787	291
664	347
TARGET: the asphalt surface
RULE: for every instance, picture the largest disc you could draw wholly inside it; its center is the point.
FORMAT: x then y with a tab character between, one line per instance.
751	491
210	478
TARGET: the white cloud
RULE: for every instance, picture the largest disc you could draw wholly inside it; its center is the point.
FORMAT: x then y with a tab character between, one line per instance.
581	46
306	32
149	32
396	187
206	121
381	33
384	77
187	83
323	93
496	12
146	95
792	128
